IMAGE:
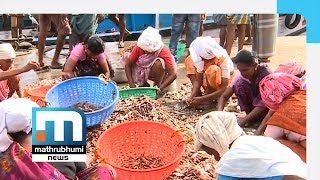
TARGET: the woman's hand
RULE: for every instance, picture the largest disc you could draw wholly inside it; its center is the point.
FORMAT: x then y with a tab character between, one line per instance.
67	75
193	101
32	65
107	76
242	121
258	132
132	85
189	100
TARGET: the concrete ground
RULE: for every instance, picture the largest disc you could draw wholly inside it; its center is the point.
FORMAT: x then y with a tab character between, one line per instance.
287	48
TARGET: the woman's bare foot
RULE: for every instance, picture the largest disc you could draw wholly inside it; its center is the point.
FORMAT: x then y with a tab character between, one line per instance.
121	44
248	42
42	68
56	65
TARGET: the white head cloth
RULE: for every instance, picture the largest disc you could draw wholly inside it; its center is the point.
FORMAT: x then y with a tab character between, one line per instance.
150	40
15	116
7	51
217	130
260	157
206	48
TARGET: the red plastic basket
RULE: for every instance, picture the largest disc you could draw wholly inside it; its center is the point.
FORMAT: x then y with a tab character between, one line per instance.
38	94
137	137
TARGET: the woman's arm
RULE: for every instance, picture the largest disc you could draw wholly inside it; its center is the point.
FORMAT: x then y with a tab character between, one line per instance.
105	69
172	75
13	72
217	93
196	85
224	98
67	72
256	112
262	127
128	69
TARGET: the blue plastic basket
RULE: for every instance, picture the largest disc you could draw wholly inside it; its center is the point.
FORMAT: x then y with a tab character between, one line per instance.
85	89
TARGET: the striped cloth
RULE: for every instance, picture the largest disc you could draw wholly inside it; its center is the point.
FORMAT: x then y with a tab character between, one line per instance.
4	90
238	18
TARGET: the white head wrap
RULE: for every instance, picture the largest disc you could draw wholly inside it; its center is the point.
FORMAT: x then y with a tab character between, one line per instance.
15	116
150	40
217	130
7	51
207	48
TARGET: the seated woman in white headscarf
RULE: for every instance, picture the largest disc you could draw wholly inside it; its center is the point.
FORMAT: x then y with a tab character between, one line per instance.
16	146
150	59
9	79
208	66
242	156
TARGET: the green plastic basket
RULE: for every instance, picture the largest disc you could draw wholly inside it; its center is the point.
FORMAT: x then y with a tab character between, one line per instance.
139	91
180	50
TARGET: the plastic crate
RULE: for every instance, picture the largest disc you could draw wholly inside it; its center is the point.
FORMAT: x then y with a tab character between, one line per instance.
139	91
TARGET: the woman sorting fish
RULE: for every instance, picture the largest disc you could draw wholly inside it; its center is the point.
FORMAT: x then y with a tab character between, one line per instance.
245	86
9	75
208	66
16	146
88	60
285	97
151	60
243	156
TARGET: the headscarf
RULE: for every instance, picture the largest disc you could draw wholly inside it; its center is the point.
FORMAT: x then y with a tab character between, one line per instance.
7	51
275	87
150	40
291	67
217	130
260	157
15	116
207	48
